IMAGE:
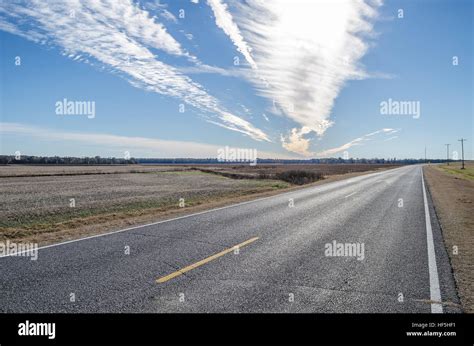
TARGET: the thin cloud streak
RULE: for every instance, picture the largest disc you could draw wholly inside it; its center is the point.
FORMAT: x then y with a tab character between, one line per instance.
138	146
358	141
391	138
225	21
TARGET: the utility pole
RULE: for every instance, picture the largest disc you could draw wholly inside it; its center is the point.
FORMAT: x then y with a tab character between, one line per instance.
425	153
462	148
447	153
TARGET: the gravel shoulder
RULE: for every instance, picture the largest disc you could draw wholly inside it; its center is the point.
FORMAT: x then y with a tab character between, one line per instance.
453	198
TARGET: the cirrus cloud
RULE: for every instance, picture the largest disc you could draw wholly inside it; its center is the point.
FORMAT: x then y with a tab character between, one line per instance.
358	141
119	35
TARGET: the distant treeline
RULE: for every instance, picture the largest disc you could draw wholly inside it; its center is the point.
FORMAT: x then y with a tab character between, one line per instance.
97	160
57	160
332	160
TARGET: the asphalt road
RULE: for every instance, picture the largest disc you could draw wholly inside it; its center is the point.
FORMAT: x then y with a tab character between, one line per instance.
191	264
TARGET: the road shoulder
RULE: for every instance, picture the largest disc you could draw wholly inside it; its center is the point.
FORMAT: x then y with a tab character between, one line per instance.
452	199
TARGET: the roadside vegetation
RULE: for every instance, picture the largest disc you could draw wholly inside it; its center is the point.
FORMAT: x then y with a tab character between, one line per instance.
452	191
455	169
300	177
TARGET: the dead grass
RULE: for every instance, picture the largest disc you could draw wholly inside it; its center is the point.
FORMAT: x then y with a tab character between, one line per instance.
60	170
453	197
455	169
37	208
272	171
46	204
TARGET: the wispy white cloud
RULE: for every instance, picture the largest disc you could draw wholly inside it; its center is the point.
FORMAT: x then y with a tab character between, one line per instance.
201	68
225	21
118	34
305	51
161	9
390	138
138	146
355	142
169	16
245	109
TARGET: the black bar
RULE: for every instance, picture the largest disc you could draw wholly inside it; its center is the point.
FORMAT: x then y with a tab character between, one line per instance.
241	329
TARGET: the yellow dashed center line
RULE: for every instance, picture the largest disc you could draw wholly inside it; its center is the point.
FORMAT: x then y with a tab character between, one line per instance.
204	261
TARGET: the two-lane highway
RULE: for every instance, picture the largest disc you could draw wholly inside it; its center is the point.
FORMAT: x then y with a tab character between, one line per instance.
362	244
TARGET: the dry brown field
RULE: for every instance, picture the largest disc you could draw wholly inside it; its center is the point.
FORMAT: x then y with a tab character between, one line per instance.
47	204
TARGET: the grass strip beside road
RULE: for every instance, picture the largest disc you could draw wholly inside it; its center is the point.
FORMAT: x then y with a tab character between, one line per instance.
455	169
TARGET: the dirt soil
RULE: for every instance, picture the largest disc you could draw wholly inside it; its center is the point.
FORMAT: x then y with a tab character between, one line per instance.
453	198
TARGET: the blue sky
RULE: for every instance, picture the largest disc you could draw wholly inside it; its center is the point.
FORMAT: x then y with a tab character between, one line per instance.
309	80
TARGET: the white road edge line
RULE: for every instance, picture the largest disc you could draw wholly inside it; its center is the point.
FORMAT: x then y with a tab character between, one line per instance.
203	212
352	194
435	294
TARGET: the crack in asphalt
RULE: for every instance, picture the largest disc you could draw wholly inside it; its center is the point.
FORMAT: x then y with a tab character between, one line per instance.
181	238
378	293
